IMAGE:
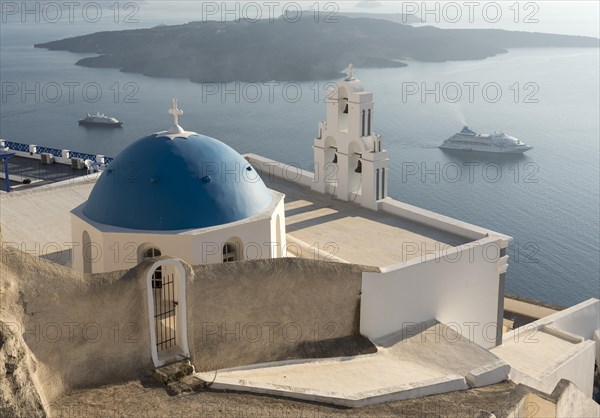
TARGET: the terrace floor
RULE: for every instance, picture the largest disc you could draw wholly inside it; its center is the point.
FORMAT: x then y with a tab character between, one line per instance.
38	218
39	174
533	351
353	233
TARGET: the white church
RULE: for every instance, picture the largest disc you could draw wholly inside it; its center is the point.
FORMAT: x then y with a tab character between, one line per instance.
180	231
177	193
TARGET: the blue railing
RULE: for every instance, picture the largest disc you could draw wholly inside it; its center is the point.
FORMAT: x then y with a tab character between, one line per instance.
82	155
53	151
16	146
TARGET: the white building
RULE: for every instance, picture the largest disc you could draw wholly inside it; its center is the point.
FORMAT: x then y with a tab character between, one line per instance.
350	161
181	194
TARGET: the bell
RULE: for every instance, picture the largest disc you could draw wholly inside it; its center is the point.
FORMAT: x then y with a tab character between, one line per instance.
358	167
346	109
334	158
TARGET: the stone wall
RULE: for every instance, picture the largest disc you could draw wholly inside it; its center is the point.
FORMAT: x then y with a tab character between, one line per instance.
79	331
73	331
270	310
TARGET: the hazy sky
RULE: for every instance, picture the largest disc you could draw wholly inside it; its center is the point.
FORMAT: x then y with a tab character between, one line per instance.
569	17
551	16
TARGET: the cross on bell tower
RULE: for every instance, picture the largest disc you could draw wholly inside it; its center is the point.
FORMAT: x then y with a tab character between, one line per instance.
349	72
176	112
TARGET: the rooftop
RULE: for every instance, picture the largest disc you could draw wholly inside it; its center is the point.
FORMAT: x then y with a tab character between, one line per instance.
533	351
39	218
38	221
353	233
20	169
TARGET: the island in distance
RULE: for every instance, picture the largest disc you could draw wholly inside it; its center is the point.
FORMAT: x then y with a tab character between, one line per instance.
283	51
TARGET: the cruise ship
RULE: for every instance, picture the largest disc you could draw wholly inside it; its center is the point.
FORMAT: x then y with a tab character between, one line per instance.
99	119
469	140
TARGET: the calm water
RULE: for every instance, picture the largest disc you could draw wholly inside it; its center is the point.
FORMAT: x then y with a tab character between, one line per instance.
548	199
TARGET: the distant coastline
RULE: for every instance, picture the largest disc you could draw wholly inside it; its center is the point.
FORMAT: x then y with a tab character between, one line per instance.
301	51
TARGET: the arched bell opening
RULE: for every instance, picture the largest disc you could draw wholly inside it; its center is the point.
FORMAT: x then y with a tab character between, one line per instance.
343	109
331	168
354	169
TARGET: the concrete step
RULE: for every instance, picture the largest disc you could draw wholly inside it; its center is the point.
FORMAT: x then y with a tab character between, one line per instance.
174	372
178	378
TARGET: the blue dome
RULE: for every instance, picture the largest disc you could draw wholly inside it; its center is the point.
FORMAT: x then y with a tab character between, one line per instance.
159	183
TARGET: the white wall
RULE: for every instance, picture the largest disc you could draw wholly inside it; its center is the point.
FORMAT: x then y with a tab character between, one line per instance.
78	227
278	234
118	248
577	367
461	293
582	319
266	168
597	341
254	238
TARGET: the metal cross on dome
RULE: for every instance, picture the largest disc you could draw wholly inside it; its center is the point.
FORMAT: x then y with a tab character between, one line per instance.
176	112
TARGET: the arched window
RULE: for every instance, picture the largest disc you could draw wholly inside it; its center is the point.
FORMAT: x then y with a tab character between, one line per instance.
363	123
86	252
152	252
229	252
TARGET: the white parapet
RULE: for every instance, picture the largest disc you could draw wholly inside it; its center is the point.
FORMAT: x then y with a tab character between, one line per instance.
560	346
459	287
290	172
597	341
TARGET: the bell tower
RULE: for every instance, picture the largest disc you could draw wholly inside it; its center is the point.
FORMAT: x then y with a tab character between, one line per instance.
350	162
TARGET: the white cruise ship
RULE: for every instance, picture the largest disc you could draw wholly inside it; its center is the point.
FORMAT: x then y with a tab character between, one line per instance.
469	140
99	119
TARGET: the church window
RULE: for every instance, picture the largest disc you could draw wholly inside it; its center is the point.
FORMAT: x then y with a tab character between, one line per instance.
152	252
157	275
229	253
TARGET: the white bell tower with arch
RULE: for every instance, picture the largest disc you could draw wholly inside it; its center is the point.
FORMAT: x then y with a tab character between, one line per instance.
350	161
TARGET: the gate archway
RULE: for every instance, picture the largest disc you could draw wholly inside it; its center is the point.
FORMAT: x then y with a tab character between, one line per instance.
165	283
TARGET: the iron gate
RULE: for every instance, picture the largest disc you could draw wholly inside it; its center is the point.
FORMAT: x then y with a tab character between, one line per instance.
165	309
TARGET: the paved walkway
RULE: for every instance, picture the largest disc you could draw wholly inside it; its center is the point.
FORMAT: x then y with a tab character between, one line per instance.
436	360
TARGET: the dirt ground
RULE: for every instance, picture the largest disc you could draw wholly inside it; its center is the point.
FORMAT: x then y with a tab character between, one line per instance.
148	398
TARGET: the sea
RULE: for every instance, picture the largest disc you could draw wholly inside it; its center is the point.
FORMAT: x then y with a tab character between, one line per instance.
547	199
